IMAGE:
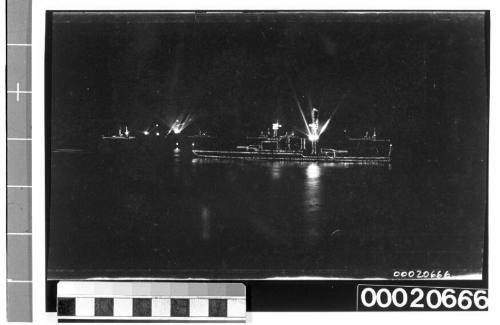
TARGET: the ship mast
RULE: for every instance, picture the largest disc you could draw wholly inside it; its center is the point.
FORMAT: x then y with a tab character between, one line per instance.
314	130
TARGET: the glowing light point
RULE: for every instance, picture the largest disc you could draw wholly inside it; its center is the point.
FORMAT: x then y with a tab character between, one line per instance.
313	137
276	126
314	133
313	171
146	132
177	127
157	134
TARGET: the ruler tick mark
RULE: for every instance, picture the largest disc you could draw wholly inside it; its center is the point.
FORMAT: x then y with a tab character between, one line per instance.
18	44
18	92
19	281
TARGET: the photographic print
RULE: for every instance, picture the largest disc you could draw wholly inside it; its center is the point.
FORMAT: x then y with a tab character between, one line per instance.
266	145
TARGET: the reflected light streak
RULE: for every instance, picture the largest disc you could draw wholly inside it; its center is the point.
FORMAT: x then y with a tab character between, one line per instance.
276	168
205	223
312	204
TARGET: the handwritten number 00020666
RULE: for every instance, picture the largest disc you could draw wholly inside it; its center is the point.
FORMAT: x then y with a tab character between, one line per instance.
419	274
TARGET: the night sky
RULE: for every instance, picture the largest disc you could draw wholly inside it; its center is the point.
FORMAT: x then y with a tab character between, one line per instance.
419	79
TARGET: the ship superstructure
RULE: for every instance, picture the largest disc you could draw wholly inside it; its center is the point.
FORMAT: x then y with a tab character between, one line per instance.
290	146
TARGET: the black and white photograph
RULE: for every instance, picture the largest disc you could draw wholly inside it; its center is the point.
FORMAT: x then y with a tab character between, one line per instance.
266	145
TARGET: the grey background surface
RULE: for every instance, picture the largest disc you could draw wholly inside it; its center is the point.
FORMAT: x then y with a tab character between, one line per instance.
19	243
19	210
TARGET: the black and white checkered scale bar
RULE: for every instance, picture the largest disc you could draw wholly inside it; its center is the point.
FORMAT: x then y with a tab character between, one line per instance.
82	301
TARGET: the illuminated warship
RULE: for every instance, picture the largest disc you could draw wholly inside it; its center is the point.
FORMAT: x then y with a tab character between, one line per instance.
122	135
367	149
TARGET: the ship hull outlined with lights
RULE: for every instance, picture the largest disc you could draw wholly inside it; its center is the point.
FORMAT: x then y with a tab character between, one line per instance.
287	156
294	148
290	147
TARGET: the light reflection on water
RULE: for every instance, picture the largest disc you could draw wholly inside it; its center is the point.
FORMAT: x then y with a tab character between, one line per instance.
275	165
315	174
276	169
205	223
313	171
312	203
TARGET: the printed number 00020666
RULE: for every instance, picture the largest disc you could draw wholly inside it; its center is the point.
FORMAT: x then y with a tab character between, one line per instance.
421	298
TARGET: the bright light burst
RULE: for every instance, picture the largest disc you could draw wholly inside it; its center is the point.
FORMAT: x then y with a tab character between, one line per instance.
177	128
180	124
314	129
313	137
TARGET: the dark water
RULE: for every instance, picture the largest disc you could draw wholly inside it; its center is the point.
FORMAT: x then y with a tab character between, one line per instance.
148	214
